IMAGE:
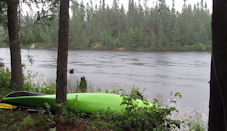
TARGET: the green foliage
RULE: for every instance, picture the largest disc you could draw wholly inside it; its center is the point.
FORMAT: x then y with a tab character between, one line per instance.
195	126
50	118
29	85
43	88
174	97
3	34
10	120
5	77
195	123
3	16
28	121
152	117
99	90
48	88
138	28
14	120
67	114
135	37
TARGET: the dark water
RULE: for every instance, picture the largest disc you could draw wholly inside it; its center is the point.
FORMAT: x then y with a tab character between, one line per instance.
157	74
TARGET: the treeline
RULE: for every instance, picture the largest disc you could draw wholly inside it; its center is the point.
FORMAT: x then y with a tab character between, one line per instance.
100	26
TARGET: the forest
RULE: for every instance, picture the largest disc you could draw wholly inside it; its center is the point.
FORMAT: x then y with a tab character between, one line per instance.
139	27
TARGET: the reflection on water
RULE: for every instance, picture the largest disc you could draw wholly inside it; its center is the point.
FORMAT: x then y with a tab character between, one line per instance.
159	73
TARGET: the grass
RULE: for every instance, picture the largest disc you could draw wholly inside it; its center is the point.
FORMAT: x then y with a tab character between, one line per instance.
196	123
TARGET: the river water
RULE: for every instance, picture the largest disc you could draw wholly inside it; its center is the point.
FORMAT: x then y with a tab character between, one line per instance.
157	74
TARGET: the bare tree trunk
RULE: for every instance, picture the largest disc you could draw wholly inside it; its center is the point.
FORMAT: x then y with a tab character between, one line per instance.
216	119
61	84
13	28
218	86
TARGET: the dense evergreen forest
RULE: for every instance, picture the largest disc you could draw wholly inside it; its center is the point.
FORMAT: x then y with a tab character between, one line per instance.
100	26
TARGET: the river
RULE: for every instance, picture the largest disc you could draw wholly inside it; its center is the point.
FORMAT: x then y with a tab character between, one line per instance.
156	74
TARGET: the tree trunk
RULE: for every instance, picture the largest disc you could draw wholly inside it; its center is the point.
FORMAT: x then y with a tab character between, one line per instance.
218	86
61	84
13	28
216	119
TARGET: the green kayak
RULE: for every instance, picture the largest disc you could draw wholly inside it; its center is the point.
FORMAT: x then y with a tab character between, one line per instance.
84	102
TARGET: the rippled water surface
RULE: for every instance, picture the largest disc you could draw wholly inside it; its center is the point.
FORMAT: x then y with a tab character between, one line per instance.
156	73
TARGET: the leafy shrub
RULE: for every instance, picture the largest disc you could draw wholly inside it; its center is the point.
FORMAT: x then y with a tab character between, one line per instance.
48	88
43	88
29	85
5	78
150	117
